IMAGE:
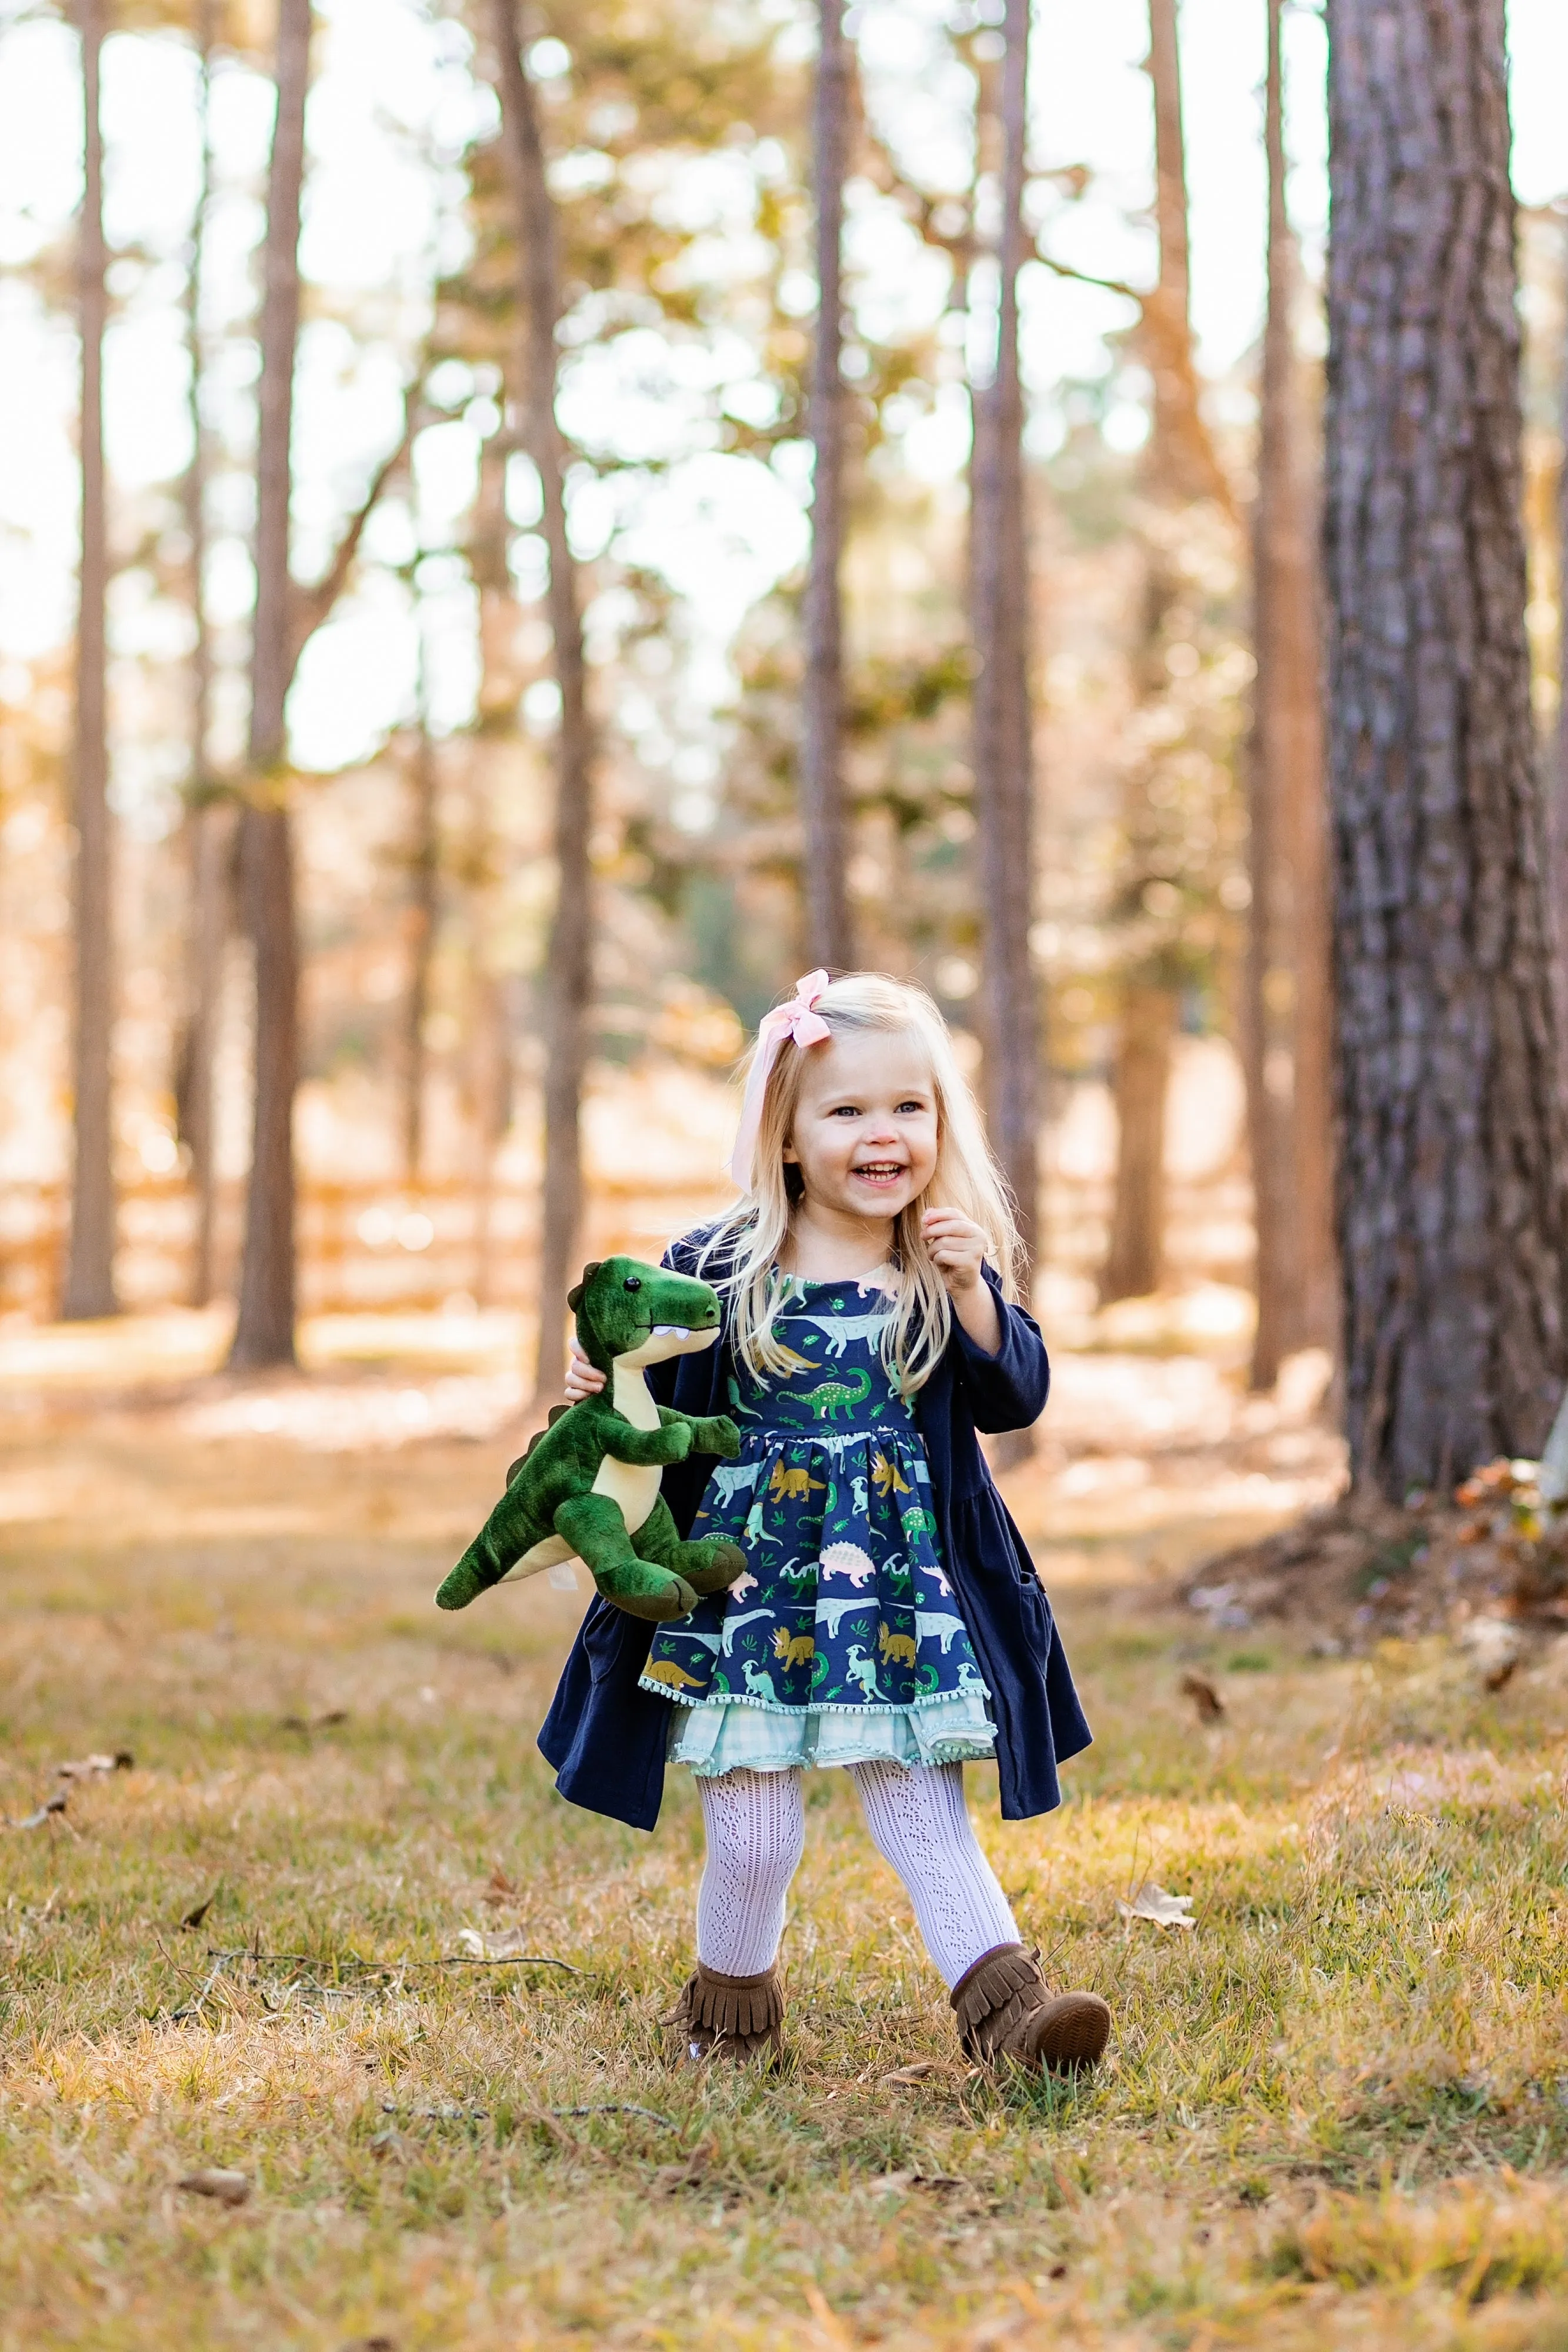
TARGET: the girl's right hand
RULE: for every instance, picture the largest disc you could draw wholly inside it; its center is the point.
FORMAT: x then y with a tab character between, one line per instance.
582	1379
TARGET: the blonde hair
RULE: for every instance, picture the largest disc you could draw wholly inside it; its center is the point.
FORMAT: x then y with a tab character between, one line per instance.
967	1177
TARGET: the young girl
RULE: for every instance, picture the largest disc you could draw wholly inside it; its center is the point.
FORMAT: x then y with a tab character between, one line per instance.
888	1619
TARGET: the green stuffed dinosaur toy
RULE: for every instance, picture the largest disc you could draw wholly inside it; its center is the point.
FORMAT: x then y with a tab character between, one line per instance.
588	1486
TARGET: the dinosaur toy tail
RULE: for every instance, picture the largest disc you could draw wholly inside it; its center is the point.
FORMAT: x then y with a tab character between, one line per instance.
464	1583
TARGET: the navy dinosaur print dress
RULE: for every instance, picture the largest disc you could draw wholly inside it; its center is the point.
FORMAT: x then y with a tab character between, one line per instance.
841	1644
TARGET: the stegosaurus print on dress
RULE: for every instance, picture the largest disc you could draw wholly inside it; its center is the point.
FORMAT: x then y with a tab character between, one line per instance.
840	1641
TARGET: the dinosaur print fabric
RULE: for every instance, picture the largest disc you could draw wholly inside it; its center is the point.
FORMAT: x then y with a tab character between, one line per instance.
842	1641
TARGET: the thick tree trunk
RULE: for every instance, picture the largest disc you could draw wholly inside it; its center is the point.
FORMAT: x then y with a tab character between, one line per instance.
1287	1016
264	1332
571	972
424	889
1004	766
209	827
90	1268
1453	1237
824	843
1557	779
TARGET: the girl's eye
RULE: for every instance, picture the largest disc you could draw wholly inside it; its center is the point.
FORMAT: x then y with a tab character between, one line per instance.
904	1107
845	1110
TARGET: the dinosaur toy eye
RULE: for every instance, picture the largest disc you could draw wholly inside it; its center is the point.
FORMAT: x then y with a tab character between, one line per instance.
633	1282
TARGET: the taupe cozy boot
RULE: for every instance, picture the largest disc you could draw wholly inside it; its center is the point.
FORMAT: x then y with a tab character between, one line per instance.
1005	2011
730	2017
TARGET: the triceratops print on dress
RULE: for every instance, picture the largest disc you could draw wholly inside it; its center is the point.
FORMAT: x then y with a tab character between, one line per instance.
844	1603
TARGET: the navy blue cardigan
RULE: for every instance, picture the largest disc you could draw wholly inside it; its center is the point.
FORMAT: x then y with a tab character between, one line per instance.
606	1738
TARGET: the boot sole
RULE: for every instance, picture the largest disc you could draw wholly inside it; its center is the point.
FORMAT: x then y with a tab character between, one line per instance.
1071	2032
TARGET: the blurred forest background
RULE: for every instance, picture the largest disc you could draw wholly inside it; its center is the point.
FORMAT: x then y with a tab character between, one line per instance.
523	527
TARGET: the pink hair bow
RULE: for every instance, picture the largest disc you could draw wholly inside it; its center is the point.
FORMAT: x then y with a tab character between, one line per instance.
795	1019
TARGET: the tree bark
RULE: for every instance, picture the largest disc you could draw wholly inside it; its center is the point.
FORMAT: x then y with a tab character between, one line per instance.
570	972
90	1268
1453	1236
1003	749
264	1332
1287	1011
1557	781
208	827
824	843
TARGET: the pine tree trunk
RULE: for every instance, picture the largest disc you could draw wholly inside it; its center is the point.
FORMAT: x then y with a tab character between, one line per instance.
209	827
1287	1017
1004	766
90	1268
1139	1084
824	847
424	883
1179	467
570	972
1453	1235
211	830
264	1332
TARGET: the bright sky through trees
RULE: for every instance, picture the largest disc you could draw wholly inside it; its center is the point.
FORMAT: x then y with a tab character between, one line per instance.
392	107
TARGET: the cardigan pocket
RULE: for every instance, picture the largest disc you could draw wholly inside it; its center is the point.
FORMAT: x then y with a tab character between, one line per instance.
604	1636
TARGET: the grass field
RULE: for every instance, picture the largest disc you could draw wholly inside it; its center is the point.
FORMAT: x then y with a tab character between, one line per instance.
1336	2112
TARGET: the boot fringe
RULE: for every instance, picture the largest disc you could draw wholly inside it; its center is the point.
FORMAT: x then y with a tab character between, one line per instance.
740	2013
994	1980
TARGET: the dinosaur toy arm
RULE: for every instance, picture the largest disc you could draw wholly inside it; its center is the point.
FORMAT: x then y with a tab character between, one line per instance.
711	1433
649	1448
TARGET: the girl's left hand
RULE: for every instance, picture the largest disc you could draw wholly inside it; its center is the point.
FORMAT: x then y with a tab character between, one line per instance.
958	1248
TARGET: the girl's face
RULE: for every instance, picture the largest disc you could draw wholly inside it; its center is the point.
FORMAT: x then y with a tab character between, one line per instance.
864	1137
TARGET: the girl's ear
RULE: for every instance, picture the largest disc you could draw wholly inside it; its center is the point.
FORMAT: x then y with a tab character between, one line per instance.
790	1155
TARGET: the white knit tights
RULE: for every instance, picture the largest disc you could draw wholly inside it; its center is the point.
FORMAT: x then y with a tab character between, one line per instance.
756	1825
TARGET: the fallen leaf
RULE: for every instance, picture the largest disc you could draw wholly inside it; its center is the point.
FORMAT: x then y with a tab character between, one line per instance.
510	1944
919	2072
1496	1647
1205	1698
888	2184
332	1716
370	2344
499	1889
55	1804
668	2178
79	1768
198	1911
228	2187
1162	1909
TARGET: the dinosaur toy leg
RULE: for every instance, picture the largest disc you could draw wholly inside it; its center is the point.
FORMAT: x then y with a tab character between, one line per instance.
710	1564
593	1525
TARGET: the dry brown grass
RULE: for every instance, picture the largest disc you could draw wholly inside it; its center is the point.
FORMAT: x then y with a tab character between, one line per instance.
1336	2113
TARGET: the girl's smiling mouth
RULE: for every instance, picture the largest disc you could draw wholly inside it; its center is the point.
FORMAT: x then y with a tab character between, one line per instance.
881	1171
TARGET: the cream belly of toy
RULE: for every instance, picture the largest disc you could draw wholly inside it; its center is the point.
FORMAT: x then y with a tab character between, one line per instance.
636	1490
